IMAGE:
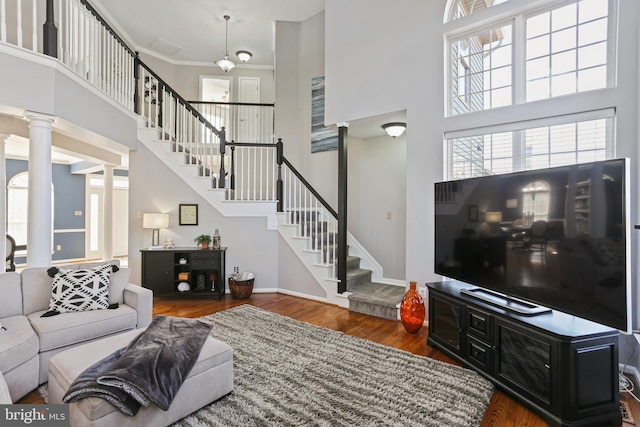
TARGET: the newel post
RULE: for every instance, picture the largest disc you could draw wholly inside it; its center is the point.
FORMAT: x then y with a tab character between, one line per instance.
343	139
232	170
136	85
279	183
50	33
223	142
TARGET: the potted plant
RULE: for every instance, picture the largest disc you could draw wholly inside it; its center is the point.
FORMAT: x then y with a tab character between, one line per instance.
203	240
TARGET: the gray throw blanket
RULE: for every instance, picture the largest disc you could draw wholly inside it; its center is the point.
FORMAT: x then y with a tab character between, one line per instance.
150	369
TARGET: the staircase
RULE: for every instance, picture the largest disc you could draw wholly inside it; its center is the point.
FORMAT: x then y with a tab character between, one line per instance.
306	227
363	295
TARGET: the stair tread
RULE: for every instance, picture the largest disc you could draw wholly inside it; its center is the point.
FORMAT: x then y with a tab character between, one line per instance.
377	293
358	272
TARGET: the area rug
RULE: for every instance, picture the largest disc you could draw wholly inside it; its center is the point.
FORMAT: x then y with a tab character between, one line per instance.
291	373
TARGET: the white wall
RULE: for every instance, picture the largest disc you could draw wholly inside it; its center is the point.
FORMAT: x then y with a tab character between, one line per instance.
153	187
293	276
377	186
374	67
300	57
34	82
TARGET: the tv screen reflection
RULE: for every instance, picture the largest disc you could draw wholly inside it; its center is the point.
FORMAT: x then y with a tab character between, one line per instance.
557	237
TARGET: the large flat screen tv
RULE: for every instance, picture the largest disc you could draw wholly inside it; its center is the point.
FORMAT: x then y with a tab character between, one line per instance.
556	237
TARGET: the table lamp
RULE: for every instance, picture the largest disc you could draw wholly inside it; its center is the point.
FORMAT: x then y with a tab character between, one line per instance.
493	218
155	221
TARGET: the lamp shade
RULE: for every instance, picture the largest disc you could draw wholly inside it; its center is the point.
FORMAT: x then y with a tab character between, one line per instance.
493	217
155	220
394	129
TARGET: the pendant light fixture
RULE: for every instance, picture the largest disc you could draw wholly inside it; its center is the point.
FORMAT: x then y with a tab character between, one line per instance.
226	64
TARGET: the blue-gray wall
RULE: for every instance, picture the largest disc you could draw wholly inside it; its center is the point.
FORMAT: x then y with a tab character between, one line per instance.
69	197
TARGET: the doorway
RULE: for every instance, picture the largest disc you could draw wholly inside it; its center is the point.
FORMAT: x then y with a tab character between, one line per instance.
249	116
95	218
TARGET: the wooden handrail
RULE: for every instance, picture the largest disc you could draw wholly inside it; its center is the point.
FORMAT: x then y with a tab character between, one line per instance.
107	26
247	104
180	99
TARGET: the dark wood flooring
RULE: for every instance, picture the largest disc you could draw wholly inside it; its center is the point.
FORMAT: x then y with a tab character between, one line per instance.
503	411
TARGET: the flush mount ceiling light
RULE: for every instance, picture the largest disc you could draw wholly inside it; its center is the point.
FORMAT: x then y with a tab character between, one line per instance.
394	129
226	64
244	55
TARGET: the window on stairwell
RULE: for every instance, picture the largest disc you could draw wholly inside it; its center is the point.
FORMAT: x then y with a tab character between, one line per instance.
213	91
535	200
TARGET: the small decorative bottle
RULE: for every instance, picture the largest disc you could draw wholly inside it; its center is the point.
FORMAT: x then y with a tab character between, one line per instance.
412	310
216	240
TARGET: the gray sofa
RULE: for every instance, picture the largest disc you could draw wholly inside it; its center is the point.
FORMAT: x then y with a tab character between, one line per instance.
30	340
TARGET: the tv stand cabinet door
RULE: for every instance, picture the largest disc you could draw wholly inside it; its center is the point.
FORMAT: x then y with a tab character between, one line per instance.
589	395
525	362
446	317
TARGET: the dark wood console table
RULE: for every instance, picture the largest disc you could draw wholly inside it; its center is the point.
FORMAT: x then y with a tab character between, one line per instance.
563	367
201	270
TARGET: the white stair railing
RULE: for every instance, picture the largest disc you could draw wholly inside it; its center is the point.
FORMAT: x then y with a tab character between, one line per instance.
314	219
244	122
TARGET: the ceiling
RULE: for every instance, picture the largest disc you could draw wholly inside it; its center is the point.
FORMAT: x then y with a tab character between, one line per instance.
193	31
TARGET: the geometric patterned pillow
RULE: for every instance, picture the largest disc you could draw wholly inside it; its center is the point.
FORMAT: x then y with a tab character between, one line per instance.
81	290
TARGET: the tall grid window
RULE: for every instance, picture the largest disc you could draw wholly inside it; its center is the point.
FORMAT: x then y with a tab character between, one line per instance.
519	61
482	75
537	55
567	50
535	200
530	148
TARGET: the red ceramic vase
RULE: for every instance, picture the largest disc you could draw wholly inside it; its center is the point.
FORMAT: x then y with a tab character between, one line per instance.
412	309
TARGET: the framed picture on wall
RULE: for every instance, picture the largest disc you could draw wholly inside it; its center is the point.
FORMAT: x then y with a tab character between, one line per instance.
188	214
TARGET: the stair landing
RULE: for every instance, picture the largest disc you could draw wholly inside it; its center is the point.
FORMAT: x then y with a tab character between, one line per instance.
376	299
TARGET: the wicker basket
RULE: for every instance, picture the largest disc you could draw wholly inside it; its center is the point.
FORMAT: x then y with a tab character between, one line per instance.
241	285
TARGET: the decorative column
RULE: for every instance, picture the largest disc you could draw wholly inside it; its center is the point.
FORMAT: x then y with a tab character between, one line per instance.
39	228
3	199
107	208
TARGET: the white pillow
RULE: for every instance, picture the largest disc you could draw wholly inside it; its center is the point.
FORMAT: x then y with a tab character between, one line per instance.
119	281
80	290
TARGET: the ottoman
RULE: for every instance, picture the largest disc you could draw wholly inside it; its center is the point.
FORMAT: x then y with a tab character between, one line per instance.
210	379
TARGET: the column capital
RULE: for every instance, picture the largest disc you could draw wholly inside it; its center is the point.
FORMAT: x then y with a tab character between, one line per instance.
4	136
32	115
343	125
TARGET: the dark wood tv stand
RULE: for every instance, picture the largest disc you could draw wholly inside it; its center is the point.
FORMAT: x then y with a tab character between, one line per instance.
563	367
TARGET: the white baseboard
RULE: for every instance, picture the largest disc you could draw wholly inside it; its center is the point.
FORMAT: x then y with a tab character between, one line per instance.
285	292
630	371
